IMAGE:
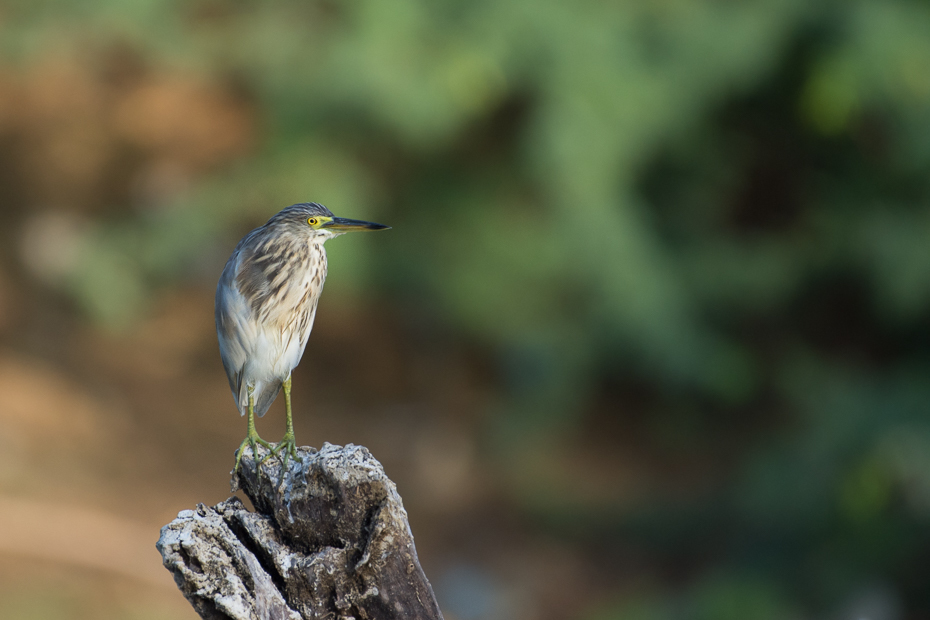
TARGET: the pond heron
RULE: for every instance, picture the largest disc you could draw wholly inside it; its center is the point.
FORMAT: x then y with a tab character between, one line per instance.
265	305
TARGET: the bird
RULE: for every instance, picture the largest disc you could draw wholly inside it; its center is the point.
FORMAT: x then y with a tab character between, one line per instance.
266	301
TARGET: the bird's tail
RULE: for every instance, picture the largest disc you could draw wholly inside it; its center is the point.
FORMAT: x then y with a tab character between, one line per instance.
263	394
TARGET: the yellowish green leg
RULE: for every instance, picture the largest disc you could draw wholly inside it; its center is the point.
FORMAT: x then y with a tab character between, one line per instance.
288	444
252	437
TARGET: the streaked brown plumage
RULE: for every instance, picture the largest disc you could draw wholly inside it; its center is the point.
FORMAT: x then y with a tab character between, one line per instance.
266	302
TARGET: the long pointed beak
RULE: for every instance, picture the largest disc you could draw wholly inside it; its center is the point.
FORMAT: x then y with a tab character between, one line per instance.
345	225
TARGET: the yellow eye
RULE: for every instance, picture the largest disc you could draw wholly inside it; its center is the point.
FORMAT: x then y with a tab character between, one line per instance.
313	221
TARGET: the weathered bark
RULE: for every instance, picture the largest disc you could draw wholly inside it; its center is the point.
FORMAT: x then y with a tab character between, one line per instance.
329	539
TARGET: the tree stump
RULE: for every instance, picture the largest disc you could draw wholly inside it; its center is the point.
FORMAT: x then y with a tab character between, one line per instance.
329	539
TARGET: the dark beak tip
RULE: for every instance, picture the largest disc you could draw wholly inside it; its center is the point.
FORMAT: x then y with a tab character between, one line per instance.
346	225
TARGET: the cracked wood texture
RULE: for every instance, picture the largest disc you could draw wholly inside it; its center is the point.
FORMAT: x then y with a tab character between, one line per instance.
329	538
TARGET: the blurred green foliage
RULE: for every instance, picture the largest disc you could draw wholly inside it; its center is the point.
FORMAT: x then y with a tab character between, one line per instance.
723	206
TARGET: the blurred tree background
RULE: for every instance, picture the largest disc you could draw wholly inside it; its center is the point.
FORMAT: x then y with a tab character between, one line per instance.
649	338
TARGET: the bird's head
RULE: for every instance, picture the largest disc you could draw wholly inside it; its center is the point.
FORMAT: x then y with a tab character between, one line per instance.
315	220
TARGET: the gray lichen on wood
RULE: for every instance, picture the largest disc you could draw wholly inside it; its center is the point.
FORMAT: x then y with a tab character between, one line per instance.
329	539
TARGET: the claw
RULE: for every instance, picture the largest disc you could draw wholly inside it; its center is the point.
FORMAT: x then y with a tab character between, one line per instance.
239	454
252	442
289	447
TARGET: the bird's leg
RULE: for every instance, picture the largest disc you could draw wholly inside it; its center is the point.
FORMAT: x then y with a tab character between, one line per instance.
289	441
288	444
252	437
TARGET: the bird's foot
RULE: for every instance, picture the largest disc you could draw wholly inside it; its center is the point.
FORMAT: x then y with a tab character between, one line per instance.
251	440
286	447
